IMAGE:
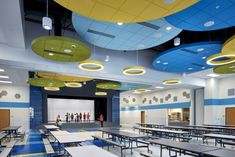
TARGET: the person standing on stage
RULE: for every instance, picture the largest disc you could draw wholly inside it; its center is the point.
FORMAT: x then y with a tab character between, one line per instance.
72	117
67	117
88	116
77	117
101	119
80	116
84	116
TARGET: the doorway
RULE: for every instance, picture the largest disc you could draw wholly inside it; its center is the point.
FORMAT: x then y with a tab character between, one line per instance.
4	118
142	116
230	116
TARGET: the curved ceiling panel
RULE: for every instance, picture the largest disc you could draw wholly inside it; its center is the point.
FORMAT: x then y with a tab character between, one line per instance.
186	58
125	10
59	48
133	36
225	69
205	15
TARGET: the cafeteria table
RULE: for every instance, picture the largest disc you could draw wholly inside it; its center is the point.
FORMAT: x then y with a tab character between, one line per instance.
126	136
88	151
220	153
218	137
182	147
11	130
51	127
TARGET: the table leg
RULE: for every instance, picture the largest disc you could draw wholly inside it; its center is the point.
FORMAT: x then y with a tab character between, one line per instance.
160	150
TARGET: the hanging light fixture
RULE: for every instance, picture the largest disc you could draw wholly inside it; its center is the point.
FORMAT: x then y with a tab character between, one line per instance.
47	21
52	88
73	84
176	41
134	70
91	65
100	93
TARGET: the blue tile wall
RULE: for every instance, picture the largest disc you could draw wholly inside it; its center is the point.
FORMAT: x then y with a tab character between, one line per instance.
36	104
116	109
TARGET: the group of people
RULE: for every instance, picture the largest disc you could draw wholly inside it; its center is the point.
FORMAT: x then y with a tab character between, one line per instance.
77	117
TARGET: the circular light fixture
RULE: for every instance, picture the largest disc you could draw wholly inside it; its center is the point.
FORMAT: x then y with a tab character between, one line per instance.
108	85
101	93
91	65
168	28
212	59
209	23
134	70
141	90
171	82
73	84
52	88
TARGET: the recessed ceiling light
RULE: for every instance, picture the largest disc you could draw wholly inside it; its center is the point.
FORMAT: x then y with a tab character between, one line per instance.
120	23
200	49
50	54
4	76
1	81
67	50
158	62
203	67
209	23
165	63
159	87
204	57
106	59
2	70
73	46
217	7
190	68
213	75
231	67
168	28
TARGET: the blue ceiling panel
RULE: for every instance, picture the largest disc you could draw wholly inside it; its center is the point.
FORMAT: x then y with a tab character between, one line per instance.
205	15
131	36
186	58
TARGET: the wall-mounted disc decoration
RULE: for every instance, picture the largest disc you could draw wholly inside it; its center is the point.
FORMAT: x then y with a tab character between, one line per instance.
59	48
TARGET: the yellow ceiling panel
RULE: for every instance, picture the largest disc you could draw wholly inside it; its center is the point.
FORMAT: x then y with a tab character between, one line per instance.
113	10
229	45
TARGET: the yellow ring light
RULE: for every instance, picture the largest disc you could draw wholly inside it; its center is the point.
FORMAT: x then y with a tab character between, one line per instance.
211	59
100	93
52	88
73	84
141	90
134	70
91	65
171	82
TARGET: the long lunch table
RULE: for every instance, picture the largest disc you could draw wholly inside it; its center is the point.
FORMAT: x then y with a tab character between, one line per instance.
218	137
51	127
176	133
220	153
182	147
11	130
197	131
124	136
88	151
150	125
65	138
221	128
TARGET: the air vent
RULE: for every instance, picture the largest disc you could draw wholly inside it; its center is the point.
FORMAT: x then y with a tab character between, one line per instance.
100	33
150	25
231	92
199	65
190	51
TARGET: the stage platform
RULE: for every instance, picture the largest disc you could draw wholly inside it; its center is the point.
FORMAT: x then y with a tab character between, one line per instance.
80	125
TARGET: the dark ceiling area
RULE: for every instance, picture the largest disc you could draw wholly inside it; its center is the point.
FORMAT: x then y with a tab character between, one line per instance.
34	10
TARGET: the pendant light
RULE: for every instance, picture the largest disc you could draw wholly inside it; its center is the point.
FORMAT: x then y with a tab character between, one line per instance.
47	21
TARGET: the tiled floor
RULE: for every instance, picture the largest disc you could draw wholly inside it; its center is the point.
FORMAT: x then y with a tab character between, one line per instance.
32	145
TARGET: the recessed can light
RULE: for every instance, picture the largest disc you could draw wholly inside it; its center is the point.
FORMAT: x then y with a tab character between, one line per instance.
209	23
204	57
67	50
213	75
168	28
200	49
190	68
50	54
159	87
217	7
120	23
158	62
165	63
